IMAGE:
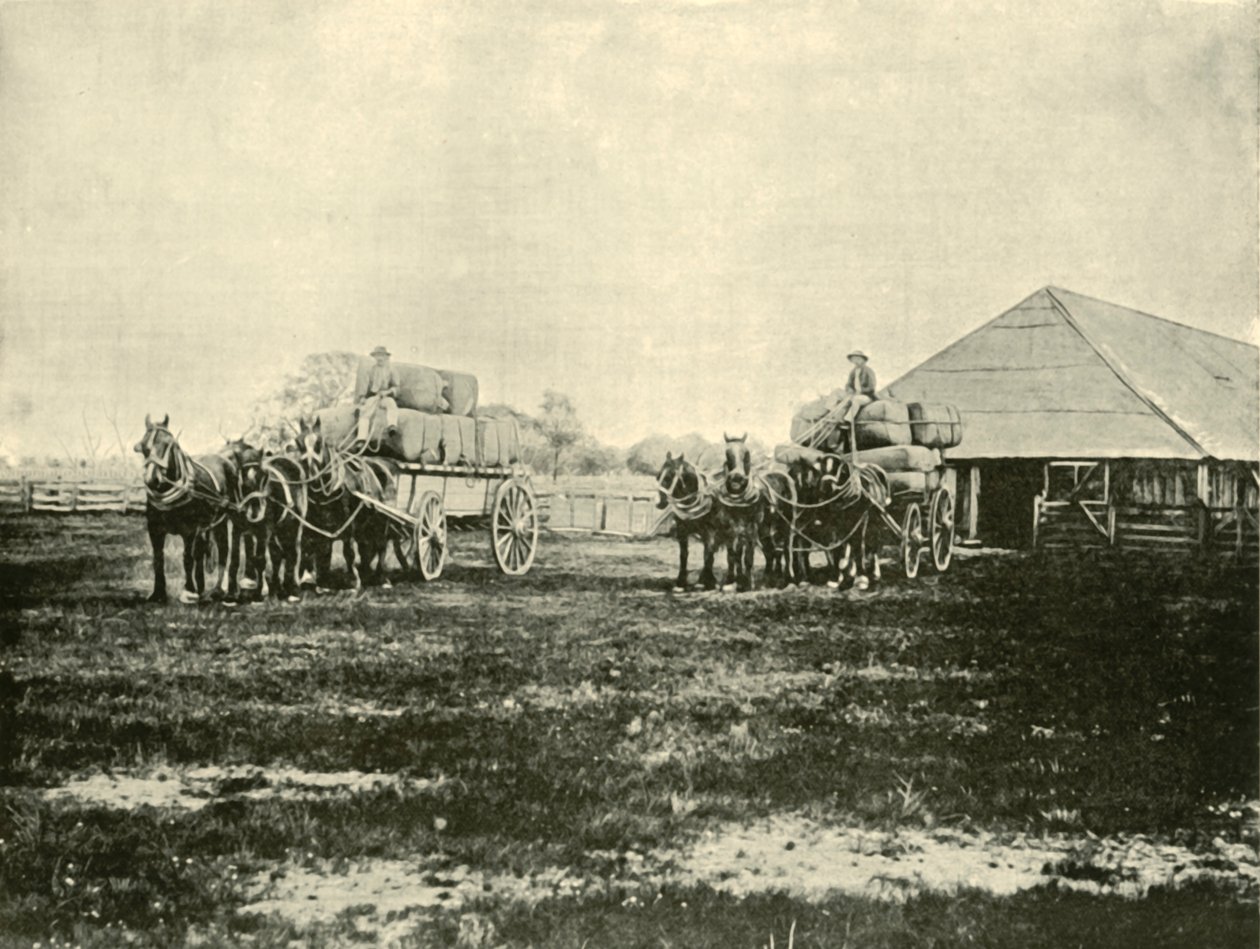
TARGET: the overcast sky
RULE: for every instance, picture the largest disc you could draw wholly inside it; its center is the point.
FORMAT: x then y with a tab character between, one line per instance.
683	214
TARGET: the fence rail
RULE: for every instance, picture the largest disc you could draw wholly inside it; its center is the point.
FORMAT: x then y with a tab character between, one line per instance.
617	515
66	496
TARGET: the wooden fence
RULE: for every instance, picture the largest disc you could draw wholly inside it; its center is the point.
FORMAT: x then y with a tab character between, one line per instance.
1186	529
618	515
70	496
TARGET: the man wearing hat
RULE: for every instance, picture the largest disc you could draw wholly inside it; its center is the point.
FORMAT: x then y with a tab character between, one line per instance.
382	387
859	390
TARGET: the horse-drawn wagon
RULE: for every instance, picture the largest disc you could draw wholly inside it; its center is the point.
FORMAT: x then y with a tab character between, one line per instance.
441	466
886	465
430	497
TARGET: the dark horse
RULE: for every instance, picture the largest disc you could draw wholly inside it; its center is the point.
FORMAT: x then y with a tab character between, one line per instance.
837	501
337	485
682	491
739	512
194	498
274	506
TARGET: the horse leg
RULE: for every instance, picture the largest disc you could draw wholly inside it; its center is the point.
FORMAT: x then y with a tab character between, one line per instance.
157	540
680	583
323	564
862	581
194	566
228	537
707	578
750	553
732	564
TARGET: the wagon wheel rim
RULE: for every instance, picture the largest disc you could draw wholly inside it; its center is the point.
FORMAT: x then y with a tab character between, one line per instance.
911	539
430	536
942	518
514	528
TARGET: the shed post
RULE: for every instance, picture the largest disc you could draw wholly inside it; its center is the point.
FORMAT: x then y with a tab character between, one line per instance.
973	501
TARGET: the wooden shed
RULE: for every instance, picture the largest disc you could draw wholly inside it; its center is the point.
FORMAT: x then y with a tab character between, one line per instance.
1088	424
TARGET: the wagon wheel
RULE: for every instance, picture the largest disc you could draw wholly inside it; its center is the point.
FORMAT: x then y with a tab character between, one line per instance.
941	526
429	536
514	527
911	539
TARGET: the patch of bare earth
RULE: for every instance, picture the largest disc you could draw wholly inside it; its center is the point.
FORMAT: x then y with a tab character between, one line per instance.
787	853
191	790
801	857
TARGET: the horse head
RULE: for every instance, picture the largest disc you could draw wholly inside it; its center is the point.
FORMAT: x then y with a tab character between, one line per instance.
677	480
737	467
806	475
157	447
248	462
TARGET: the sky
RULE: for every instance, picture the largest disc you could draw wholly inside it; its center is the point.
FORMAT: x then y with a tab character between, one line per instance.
682	214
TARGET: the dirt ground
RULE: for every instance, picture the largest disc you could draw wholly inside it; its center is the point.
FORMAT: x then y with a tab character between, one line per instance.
1023	752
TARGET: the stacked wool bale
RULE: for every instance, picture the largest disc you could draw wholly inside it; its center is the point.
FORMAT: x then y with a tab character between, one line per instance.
437	422
906	440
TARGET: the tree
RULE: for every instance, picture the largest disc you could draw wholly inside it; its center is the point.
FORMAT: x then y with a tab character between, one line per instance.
321	381
559	426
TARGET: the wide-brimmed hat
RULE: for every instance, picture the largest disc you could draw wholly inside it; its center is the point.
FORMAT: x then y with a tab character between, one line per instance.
858	352
380	351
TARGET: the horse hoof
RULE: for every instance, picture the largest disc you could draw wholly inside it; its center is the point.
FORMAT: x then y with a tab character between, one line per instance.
862	583
386	585
729	588
293	598
322	591
248	584
833	584
678	589
188	598
155	598
308	580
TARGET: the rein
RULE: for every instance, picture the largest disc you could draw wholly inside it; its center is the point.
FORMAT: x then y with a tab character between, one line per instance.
182	488
690	507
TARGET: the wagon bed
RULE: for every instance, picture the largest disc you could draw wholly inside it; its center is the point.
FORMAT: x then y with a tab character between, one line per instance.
429	495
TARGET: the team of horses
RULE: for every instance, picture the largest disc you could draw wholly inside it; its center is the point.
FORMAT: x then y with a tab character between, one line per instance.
288	508
810	505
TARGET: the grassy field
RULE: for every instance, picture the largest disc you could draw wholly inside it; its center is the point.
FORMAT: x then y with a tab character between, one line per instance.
1021	753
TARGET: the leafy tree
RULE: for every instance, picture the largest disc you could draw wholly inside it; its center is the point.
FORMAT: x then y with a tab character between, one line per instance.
592	457
321	381
559	426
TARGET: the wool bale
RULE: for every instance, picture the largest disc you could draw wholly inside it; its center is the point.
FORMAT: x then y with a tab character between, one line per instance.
459	439
903	482
882	424
459	389
419	387
901	458
418	438
489	449
787	454
337	425
811	425
935	424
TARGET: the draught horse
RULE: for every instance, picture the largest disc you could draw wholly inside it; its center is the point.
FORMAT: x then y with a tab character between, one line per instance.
843	497
341	490
274	507
681	490
739	512
194	498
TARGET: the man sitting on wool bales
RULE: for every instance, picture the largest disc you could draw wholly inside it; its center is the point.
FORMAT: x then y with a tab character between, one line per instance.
859	390
382	389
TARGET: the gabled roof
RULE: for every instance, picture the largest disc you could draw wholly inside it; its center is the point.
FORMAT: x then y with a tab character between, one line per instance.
1062	375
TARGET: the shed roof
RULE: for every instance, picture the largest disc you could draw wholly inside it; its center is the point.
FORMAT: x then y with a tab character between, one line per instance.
1062	375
